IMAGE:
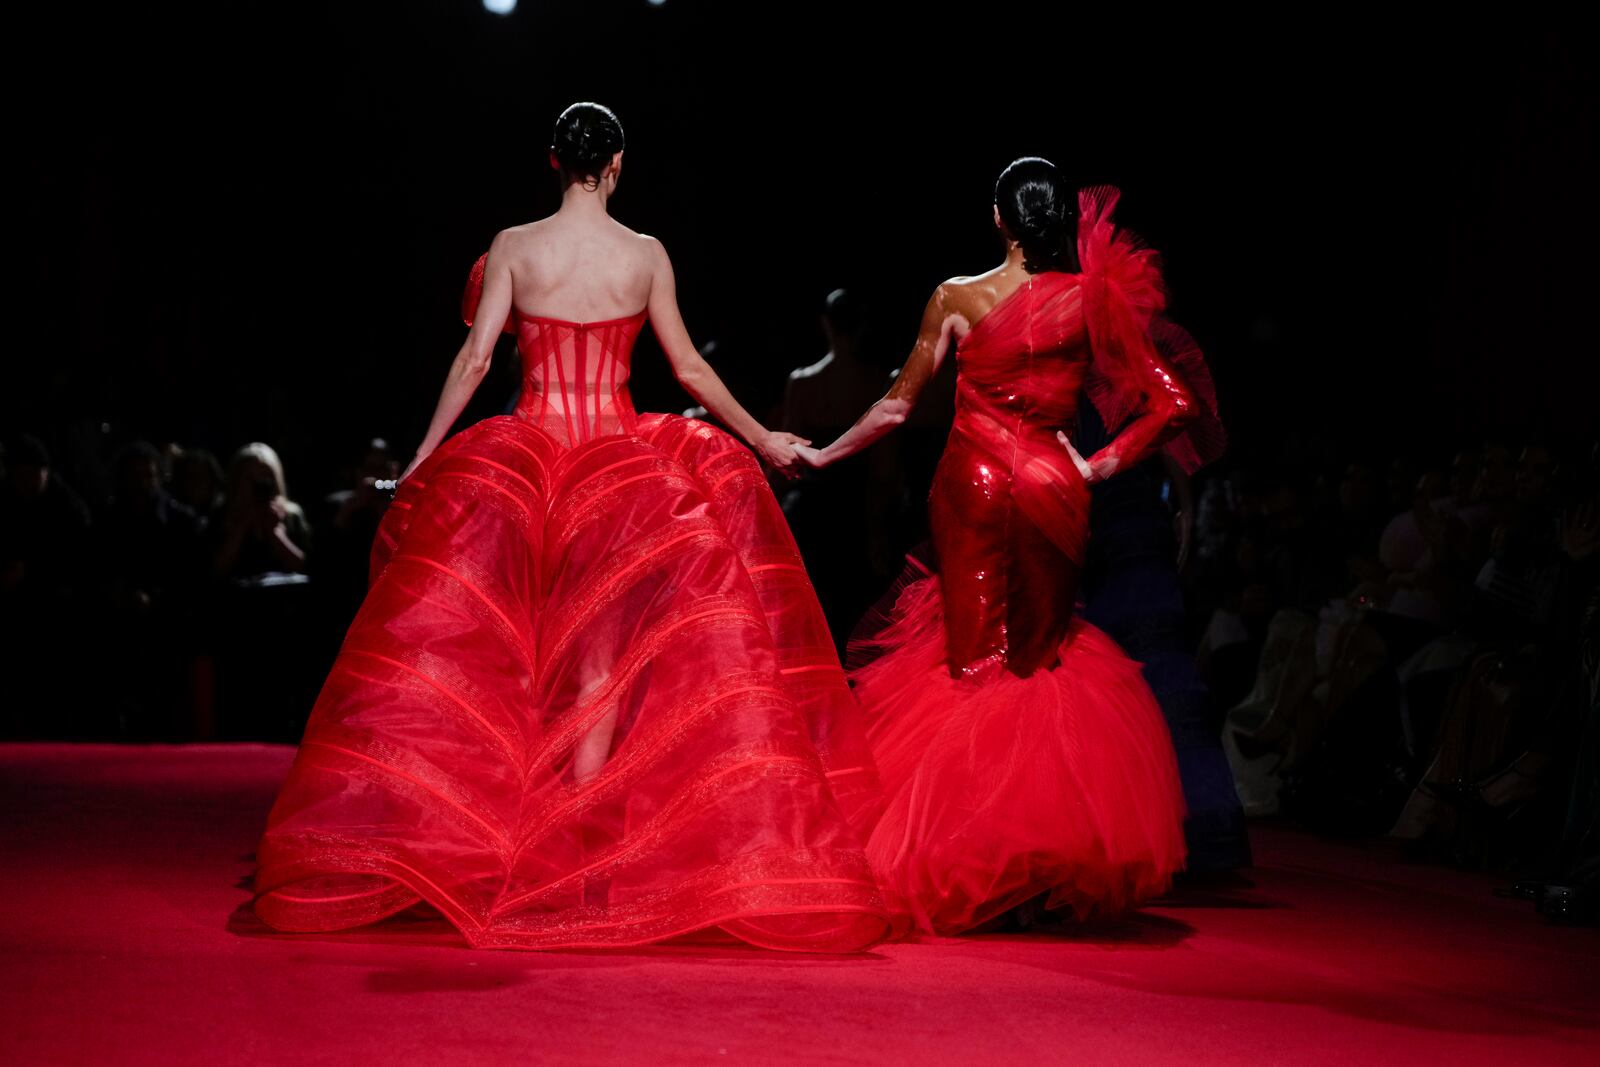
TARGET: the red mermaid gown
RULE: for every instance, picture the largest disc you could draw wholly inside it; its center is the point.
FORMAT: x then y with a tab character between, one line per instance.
589	699
1019	749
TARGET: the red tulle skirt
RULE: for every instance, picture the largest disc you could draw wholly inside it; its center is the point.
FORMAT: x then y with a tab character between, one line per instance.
589	700
1003	788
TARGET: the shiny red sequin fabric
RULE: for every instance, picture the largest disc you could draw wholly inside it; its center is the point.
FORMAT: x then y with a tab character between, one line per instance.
1020	750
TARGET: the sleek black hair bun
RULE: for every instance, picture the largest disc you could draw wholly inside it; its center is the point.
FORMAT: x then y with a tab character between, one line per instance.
1038	210
587	136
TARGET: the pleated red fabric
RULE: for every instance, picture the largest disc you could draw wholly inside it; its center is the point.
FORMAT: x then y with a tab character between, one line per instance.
590	698
1020	750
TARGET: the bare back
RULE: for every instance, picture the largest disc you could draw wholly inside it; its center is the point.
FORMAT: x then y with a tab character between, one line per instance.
578	269
576	288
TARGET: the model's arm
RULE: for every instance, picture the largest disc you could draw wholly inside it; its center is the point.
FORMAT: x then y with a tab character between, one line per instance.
696	375
939	325
1167	408
472	361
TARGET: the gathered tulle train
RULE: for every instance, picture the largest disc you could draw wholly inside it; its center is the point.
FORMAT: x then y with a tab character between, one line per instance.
1000	788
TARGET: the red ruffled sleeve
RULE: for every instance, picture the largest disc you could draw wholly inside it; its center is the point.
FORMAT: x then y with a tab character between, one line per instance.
1145	366
474	293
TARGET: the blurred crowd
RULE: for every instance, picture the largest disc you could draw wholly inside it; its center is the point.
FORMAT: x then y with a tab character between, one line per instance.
189	601
1399	645
1411	648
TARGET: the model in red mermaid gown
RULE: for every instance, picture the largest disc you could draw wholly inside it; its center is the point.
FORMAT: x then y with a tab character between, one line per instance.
1020	751
590	698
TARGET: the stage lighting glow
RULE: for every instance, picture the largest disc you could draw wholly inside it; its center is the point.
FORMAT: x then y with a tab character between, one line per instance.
500	7
655	3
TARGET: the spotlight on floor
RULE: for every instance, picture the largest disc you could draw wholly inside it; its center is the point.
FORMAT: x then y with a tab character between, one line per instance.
500	7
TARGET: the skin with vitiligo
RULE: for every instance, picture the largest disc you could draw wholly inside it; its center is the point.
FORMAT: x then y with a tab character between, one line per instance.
950	312
954	307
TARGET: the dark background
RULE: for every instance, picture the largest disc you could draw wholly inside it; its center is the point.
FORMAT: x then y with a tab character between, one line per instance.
253	221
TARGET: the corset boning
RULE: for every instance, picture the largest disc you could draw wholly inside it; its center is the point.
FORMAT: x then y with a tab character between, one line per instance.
575	377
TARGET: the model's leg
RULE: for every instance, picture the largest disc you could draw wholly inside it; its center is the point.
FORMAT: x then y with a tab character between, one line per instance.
1042	588
968	510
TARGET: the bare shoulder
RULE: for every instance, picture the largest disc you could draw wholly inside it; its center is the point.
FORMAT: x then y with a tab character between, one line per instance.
978	282
522	231
516	240
961	295
649	253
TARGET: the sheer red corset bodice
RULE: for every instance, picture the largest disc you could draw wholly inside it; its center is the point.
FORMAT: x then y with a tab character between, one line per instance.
574	374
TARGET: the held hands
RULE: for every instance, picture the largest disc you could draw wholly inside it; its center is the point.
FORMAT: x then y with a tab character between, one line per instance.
1077	461
779	451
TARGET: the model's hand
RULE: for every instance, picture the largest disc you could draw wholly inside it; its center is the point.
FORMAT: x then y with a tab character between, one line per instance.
1077	460
415	462
777	449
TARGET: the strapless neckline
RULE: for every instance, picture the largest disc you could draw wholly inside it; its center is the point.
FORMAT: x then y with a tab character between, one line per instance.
519	313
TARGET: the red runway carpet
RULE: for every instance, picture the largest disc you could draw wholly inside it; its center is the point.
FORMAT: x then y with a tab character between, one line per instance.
128	939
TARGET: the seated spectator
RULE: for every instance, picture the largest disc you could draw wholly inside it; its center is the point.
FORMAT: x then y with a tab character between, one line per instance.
44	530
261	530
197	482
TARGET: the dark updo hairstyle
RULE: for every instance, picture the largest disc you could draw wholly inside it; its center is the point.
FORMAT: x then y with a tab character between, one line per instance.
587	136
1039	210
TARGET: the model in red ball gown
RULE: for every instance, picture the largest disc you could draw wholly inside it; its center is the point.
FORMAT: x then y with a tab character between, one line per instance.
590	698
1020	751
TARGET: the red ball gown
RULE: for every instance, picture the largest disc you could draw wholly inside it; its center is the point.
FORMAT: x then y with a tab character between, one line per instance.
1020	751
589	699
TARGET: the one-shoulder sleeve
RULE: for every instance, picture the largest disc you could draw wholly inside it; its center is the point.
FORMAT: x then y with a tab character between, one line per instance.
474	293
1148	378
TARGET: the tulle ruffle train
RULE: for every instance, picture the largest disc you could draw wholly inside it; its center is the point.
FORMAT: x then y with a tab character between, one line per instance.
1001	788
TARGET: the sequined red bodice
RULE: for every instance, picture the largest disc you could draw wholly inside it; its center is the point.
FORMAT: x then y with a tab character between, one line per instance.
1009	509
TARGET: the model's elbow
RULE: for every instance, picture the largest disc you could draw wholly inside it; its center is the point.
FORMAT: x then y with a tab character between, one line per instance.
894	411
471	366
1173	405
691	374
1182	412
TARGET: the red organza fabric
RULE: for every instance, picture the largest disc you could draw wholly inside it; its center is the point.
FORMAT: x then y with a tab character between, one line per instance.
1020	750
589	699
1138	353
